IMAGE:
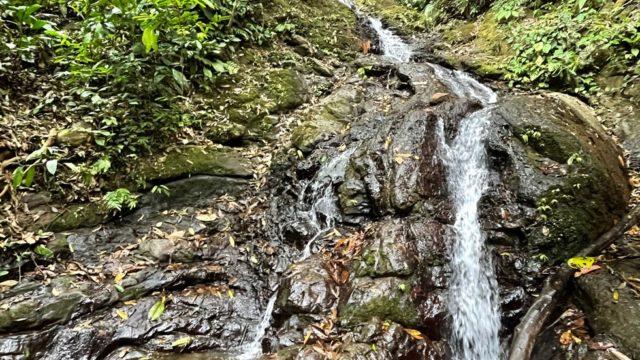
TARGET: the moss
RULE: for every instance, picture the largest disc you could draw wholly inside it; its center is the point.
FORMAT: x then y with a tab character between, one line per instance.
395	307
247	98
193	160
400	17
17	313
327	24
77	216
571	223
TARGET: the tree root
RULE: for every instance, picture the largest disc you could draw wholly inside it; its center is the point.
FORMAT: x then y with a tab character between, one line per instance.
531	324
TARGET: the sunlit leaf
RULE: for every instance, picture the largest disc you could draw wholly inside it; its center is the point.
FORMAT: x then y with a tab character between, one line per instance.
182	342
150	39
157	309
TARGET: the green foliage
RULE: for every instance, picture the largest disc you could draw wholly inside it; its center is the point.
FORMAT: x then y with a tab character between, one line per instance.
127	66
436	11
568	42
117	199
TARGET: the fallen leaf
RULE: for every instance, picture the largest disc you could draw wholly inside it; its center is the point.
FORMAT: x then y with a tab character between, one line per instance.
587	270
157	309
122	314
118	278
616	295
182	342
400	158
414	334
566	338
8	283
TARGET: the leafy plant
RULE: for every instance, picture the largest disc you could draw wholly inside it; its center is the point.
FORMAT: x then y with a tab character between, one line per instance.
568	41
117	199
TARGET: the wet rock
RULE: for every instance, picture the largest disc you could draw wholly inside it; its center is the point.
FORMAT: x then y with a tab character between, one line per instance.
307	289
389	254
161	249
561	160
618	319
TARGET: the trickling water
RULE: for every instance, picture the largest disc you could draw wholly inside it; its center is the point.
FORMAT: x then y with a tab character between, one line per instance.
253	350
323	215
473	298
324	211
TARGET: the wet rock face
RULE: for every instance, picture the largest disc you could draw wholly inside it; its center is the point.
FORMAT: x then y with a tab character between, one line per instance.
558	182
555	185
307	289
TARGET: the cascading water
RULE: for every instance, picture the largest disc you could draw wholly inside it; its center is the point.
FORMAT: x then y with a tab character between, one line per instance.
392	45
322	214
473	299
463	85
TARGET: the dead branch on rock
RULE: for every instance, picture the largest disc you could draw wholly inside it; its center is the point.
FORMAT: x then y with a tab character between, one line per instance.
531	324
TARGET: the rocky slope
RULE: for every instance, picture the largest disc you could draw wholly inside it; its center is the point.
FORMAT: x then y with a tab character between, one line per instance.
329	201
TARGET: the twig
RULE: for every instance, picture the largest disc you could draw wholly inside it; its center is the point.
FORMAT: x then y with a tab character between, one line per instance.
527	331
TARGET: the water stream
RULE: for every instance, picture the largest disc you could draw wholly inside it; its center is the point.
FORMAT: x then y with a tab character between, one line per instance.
473	299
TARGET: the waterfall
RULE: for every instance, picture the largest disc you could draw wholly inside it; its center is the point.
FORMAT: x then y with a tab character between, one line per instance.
473	298
473	289
392	45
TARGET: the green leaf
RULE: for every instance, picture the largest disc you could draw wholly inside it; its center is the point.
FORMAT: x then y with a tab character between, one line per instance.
219	66
28	178
207	72
157	309
581	4
635	51
179	78
150	39
43	251
52	166
182	342
18	175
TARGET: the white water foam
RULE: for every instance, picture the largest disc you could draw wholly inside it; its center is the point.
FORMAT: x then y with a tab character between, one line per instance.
393	46
463	85
473	289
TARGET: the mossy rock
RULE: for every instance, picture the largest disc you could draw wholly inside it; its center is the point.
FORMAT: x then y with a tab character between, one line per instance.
385	298
393	13
578	186
329	118
328	25
187	161
74	216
